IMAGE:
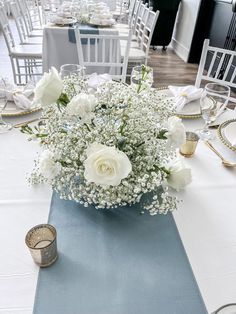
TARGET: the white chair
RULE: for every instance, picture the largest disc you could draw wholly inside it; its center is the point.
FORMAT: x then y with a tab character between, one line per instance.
139	52
32	30
26	60
217	65
101	53
21	27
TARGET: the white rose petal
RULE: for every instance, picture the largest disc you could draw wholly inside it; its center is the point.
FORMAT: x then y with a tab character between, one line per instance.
47	166
176	132
83	106
106	165
49	88
180	174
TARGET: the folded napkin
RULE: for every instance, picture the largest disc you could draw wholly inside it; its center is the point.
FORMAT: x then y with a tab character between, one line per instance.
19	95
184	95
96	80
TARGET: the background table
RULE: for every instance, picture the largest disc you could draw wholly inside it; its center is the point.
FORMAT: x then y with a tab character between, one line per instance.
206	221
58	50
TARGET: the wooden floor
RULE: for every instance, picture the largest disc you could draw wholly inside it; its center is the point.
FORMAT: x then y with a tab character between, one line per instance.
168	68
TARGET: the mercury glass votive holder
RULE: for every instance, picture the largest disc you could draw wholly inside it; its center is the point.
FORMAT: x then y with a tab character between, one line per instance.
188	148
42	243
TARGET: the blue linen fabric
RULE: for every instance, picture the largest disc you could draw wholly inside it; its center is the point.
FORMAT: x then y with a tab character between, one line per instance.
84	29
116	262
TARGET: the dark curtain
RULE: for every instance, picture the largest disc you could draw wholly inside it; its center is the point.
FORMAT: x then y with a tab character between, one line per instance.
165	24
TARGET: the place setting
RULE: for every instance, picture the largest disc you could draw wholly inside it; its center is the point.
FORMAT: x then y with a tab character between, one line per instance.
16	102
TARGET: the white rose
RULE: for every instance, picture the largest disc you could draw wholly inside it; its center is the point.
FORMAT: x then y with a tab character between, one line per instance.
47	166
180	174
176	132
106	165
83	106
49	88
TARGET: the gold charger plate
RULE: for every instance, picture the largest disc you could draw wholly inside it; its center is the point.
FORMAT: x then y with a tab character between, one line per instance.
12	111
227	133
190	111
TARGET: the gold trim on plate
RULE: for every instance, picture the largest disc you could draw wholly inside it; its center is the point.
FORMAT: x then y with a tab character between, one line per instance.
21	113
220	132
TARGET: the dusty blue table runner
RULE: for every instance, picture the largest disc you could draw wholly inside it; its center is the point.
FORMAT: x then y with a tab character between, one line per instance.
84	29
116	262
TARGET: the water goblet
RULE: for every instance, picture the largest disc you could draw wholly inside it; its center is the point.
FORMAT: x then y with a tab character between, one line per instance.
141	77
213	101
4	126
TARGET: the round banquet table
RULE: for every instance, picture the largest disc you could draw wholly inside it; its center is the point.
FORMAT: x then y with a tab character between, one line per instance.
205	219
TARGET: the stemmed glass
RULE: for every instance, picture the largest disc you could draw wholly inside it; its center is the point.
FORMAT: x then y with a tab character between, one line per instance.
4	126
213	101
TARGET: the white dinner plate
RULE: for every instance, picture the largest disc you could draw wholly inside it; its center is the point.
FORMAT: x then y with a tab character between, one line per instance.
190	111
227	133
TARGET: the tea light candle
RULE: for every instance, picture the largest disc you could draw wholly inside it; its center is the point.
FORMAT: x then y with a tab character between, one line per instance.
188	148
41	241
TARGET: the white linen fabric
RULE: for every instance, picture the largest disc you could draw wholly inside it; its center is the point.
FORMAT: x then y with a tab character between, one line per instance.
205	220
56	37
21	207
184	95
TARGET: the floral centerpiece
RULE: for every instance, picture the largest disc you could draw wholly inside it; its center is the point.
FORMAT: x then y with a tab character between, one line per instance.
108	147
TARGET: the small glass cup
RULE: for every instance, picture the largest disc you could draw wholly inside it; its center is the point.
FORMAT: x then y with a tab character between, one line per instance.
42	243
67	70
188	148
141	77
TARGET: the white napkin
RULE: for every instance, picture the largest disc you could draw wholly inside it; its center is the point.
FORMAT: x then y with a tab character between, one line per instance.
184	95
19	95
96	80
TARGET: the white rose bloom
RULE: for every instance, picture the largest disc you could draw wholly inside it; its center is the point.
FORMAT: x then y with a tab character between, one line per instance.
47	166
176	132
180	174
106	165
82	105
49	88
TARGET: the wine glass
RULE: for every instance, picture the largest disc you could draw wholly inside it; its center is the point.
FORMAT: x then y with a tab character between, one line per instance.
213	101
68	70
4	126
141	77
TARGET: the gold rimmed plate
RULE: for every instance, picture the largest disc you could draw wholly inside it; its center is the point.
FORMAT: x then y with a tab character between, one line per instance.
227	134
12	111
190	111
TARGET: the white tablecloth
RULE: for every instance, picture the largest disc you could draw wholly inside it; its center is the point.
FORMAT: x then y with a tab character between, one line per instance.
58	50
206	221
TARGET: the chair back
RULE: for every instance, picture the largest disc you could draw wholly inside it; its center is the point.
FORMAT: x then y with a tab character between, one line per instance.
217	65
139	18
146	29
19	20
5	27
133	16
102	53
